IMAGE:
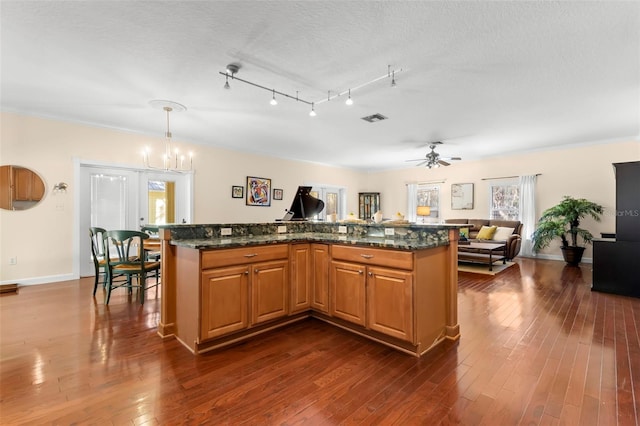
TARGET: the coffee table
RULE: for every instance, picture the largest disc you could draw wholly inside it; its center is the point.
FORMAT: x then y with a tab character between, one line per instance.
485	253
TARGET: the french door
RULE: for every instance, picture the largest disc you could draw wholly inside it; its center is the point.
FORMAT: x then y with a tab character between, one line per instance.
334	198
121	198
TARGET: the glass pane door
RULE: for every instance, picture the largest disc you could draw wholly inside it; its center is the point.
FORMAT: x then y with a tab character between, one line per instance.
164	199
109	201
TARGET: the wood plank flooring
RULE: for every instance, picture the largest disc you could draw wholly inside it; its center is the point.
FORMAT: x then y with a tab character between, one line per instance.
537	347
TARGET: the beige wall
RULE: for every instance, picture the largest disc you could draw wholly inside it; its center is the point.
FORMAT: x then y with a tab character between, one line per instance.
42	238
581	172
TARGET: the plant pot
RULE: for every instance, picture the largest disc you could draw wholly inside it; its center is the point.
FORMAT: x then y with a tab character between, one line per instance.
572	255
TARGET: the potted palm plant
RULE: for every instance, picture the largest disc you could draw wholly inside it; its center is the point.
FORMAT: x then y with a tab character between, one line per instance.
563	221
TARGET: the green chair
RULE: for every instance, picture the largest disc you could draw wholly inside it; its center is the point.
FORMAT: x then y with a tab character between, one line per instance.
125	254
98	255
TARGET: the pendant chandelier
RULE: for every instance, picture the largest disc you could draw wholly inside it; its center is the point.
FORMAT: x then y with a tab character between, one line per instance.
172	159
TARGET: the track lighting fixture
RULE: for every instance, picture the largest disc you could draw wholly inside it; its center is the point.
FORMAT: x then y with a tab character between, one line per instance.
232	70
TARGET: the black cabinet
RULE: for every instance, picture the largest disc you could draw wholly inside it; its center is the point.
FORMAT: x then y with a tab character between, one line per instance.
368	204
627	201
615	267
615	260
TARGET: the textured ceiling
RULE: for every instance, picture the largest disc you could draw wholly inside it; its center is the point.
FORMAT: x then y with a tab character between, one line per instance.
487	78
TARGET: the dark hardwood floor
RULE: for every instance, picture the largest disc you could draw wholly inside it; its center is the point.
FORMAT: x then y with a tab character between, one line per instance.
537	347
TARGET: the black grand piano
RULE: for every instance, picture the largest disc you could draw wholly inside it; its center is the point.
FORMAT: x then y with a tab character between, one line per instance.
304	205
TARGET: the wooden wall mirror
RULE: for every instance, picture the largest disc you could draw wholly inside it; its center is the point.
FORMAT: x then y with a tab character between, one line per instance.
20	188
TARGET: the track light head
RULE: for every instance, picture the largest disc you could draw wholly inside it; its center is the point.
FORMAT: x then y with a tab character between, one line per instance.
393	79
273	99
313	111
226	84
349	100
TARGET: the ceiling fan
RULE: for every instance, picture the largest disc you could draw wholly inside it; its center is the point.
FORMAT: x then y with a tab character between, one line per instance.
433	159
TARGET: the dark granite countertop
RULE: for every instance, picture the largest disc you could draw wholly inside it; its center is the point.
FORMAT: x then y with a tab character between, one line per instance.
366	241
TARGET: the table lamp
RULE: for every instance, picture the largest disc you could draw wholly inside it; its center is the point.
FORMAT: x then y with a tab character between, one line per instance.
423	211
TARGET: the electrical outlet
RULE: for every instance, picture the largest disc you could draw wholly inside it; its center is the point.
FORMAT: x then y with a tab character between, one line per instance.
13	261
342	229
282	229
389	231
225	231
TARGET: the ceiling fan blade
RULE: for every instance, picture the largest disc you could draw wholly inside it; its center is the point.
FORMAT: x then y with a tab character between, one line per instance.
421	164
444	163
415	159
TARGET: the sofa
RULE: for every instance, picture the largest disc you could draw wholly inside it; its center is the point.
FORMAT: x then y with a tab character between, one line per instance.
512	242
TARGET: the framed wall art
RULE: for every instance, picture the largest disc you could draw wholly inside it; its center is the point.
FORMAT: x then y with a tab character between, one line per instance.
237	191
258	191
277	194
461	196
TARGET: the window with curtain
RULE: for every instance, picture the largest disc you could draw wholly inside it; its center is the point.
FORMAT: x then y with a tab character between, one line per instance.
504	202
428	194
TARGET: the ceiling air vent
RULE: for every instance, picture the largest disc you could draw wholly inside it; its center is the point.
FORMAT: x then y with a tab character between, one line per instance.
374	118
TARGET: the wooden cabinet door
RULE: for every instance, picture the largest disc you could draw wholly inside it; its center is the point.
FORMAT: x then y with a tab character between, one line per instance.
300	261
27	185
22	180
390	307
225	301
320	277
6	195
348	292
269	290
37	187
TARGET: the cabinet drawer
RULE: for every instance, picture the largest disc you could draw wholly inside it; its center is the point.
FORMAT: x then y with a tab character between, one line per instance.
243	255
372	256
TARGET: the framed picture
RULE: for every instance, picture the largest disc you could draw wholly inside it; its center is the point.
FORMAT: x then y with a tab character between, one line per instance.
237	191
277	194
461	196
258	191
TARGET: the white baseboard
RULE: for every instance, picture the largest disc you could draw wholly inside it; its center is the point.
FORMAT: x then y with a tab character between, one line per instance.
555	257
41	280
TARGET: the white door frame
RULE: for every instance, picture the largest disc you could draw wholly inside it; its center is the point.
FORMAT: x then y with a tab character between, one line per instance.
78	233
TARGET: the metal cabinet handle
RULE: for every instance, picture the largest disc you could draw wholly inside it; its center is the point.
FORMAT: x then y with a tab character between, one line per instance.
367	256
246	272
370	274
251	255
360	272
256	270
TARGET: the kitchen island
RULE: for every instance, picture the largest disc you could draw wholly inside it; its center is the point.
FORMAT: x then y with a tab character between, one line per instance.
393	283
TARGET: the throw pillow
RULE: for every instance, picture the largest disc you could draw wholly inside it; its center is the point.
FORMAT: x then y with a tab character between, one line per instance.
464	232
486	232
502	233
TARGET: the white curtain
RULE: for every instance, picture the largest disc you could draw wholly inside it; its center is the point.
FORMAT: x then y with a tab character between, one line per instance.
527	213
412	202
